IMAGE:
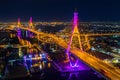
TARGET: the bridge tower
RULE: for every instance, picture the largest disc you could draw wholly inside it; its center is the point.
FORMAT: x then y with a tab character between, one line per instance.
75	31
18	24
75	34
18	28
30	27
30	23
19	32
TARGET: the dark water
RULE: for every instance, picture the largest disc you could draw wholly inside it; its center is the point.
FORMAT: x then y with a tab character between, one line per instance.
48	72
44	69
52	74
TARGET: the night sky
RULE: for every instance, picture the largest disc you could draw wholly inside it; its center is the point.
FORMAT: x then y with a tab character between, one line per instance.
60	10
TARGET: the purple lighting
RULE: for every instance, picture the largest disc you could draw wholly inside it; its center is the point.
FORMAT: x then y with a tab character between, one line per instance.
24	58
18	21
76	74
75	19
19	33
28	33
72	64
65	67
18	29
30	19
31	24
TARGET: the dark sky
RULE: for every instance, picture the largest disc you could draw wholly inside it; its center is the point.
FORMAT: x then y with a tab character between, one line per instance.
60	10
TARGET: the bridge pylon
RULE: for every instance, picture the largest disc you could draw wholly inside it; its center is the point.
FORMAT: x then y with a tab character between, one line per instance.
19	32
18	28
30	23
18	23
75	34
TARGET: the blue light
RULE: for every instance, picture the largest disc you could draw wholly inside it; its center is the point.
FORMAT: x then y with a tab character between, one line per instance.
93	49
26	33
45	61
19	32
30	56
43	56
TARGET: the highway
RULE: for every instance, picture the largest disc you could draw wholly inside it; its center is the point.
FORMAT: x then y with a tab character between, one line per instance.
110	71
106	69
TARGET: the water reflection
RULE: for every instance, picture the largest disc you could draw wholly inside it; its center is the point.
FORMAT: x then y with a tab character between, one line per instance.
36	63
73	75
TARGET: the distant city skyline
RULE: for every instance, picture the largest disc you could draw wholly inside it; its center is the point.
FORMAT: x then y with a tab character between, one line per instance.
60	10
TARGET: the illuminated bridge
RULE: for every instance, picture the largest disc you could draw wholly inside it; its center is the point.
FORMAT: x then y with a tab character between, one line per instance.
95	63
